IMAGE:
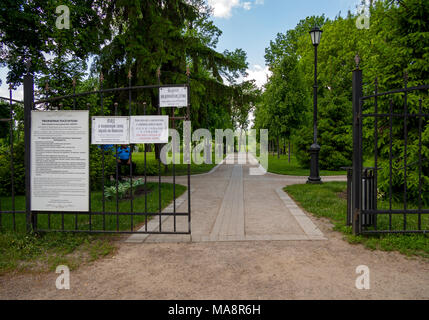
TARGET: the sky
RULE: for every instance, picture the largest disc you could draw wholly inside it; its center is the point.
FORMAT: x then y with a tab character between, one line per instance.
250	25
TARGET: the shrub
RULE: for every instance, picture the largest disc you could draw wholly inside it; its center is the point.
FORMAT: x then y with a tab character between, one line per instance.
123	189
18	166
96	167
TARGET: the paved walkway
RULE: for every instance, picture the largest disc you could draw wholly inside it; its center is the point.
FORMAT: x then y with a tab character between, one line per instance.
230	204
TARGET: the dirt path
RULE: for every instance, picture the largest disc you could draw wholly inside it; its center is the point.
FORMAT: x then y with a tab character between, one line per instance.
221	269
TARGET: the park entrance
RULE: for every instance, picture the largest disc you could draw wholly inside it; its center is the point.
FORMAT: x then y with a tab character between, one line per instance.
80	159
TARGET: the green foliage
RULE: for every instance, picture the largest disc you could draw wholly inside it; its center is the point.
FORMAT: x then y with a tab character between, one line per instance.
4	114
28	31
20	251
35	252
96	167
396	41
123	189
283	103
324	201
18	169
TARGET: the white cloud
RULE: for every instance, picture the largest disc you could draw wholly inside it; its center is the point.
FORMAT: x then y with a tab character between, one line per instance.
246	5
259	74
223	8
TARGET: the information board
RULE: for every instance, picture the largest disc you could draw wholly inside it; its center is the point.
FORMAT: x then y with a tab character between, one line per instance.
60	161
149	129
173	97
110	130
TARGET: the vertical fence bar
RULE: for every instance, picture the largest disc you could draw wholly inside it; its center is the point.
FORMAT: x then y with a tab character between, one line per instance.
405	147
188	116
12	167
117	176
74	108
420	162
158	150
102	158
375	181
28	106
131	153
357	155
174	172
62	213
88	105
390	161
145	178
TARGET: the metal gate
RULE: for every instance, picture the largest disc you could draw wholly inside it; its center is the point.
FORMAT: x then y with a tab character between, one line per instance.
397	199
128	216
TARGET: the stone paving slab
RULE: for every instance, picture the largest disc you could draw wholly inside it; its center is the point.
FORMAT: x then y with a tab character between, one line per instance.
231	204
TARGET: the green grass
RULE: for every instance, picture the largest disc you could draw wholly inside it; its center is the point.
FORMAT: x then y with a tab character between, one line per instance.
181	169
282	166
324	201
45	251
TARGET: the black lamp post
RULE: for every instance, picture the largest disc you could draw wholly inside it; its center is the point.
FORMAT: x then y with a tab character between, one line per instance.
314	178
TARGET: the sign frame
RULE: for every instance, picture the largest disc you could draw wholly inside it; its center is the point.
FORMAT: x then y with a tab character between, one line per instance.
83	206
134	140
165	102
93	131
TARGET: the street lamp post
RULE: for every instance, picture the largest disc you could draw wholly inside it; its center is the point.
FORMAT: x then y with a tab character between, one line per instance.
314	177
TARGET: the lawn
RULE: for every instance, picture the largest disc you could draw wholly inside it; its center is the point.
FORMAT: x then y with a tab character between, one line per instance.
181	169
325	201
282	166
45	251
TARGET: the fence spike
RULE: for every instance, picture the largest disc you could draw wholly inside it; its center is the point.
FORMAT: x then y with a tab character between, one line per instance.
357	61
28	65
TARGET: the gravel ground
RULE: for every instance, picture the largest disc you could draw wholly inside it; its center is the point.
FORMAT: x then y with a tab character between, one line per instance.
234	270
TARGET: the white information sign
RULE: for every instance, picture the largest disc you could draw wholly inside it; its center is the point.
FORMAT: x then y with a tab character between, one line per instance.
110	130
60	161
173	97
149	129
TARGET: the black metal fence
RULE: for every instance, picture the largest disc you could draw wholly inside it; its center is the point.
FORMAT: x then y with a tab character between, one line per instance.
104	216
369	196
392	197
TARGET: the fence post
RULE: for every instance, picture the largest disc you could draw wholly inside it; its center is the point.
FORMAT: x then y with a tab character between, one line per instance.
28	106
357	148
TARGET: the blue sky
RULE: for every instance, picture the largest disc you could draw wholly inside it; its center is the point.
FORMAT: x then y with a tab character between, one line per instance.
251	24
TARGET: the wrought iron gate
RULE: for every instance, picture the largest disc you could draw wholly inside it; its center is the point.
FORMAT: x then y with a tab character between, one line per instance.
125	217
398	159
